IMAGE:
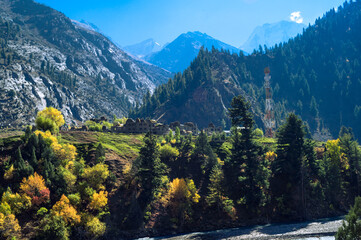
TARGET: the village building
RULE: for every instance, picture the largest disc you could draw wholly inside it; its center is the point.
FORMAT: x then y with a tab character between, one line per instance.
141	126
99	120
212	129
186	128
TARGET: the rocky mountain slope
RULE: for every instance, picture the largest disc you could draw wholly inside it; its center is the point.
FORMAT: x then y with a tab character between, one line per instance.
46	60
271	34
177	55
316	75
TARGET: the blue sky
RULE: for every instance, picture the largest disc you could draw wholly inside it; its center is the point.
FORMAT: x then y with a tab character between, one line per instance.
231	21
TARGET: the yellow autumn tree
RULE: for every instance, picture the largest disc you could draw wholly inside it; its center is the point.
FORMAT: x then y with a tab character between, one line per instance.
337	165
48	137
334	152
69	177
95	176
9	227
178	189
17	202
94	226
270	156
99	200
9	174
64	209
182	194
49	119
34	187
64	153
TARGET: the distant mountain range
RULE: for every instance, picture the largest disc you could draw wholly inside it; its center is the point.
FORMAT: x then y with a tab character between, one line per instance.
315	75
271	34
144	48
177	55
48	60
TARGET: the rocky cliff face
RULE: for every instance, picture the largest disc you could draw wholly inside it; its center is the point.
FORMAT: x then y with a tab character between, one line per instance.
46	60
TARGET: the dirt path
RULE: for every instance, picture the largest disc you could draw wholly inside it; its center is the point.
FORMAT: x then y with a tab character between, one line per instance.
323	227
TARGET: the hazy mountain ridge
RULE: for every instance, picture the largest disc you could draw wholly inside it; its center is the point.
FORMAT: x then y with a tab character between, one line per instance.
143	48
271	34
56	63
177	55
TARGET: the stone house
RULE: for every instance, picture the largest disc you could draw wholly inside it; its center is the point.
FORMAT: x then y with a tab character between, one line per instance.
186	128
213	129
99	120
141	126
191	127
161	129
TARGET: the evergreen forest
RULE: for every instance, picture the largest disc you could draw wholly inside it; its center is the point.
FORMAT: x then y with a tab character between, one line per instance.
314	75
63	185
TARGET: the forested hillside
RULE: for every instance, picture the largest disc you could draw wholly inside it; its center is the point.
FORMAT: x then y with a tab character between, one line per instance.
315	75
95	185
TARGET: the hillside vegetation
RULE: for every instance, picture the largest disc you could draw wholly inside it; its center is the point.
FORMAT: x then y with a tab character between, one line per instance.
314	75
81	185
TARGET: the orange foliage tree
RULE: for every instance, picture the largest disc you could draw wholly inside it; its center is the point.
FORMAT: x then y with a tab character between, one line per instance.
64	209
99	200
34	187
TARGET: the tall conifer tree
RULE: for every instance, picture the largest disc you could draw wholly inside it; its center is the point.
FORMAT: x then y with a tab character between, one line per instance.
245	170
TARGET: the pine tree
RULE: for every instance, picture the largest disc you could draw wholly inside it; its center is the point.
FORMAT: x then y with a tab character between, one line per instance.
19	162
352	229
352	153
177	135
100	154
203	153
246	172
216	196
185	151
33	161
150	171
23	169
288	175
28	133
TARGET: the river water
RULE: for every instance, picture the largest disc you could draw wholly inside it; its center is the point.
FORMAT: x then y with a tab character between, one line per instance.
317	238
323	229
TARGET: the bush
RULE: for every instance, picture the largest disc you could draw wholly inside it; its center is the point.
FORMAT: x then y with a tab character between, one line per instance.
41	212
75	199
352	229
168	153
53	227
258	133
96	176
